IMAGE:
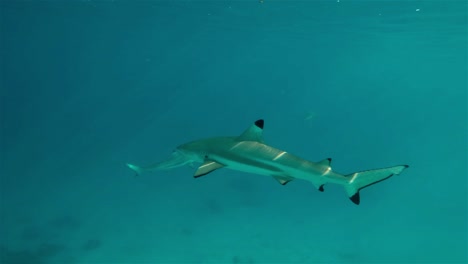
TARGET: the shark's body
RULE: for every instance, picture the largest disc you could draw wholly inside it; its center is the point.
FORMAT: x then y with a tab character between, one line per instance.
249	153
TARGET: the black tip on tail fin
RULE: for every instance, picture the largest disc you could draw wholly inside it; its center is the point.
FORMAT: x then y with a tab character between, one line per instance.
356	199
259	123
363	179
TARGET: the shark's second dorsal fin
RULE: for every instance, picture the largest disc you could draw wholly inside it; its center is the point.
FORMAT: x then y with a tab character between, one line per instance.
207	167
253	133
325	162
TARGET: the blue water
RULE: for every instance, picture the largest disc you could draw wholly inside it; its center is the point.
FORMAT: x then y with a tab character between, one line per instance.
88	86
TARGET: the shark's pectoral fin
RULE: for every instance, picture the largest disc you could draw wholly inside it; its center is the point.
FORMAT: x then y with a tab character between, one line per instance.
207	167
283	180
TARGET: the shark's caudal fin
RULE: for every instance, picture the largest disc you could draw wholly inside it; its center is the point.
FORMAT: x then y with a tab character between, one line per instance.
363	179
176	159
135	168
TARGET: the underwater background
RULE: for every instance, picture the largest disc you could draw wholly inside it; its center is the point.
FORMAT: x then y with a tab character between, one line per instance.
87	86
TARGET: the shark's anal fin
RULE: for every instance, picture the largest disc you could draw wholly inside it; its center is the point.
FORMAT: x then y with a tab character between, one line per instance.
283	180
207	167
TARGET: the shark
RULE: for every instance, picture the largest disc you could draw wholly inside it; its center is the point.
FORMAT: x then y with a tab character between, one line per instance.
249	153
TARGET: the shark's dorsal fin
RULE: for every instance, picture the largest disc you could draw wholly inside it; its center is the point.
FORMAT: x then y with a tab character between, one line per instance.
207	167
325	162
283	180
253	133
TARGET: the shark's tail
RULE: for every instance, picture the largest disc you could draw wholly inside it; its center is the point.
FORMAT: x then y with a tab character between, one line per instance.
136	169
360	180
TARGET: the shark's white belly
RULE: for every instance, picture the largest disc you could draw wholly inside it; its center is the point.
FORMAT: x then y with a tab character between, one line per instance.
249	167
257	158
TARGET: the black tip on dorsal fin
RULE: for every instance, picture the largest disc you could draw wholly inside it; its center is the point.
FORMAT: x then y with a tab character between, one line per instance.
321	188
325	162
355	198
259	123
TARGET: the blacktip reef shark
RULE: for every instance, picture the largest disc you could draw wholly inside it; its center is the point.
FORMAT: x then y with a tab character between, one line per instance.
248	153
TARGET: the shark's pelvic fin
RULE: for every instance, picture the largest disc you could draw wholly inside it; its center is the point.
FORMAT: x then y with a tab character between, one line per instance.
253	133
283	180
207	167
363	179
